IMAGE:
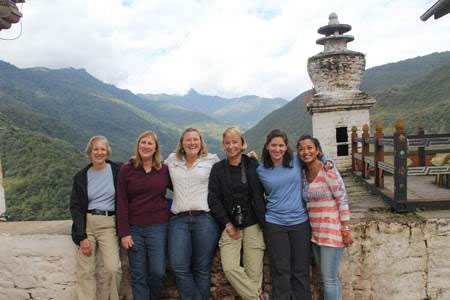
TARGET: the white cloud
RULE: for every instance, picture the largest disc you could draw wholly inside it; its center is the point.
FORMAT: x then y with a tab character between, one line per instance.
227	48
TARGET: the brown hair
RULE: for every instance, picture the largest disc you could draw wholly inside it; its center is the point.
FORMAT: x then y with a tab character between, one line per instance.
287	157
137	159
179	151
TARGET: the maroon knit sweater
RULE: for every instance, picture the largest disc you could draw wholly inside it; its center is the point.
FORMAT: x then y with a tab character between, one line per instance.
141	197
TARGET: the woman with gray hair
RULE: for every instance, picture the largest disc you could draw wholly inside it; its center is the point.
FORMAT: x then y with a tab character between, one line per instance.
93	209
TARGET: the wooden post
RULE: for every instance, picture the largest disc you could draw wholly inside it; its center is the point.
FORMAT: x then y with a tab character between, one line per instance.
379	155
3	216
365	152
354	149
421	150
400	161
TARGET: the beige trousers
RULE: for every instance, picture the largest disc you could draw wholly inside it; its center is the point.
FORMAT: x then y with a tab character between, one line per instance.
247	279
101	231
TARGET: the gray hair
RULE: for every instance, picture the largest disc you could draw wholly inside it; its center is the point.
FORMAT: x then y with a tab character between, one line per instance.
90	144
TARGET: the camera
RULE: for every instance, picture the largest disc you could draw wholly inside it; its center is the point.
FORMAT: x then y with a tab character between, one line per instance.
238	215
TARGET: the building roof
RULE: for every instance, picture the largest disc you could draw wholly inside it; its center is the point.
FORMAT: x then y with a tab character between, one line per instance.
439	9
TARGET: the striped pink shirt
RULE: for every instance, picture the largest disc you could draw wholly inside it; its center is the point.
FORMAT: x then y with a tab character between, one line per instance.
327	203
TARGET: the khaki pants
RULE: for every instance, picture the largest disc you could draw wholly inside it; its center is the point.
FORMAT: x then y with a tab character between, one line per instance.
101	231
247	279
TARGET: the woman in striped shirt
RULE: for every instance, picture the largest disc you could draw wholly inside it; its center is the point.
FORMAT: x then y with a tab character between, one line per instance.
327	204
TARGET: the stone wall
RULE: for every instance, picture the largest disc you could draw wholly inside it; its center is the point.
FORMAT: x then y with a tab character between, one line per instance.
336	71
408	259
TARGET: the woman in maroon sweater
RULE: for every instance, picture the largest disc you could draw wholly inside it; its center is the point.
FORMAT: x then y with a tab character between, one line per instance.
143	215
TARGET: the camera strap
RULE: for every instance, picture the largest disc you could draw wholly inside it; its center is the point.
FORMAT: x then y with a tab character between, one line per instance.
243	177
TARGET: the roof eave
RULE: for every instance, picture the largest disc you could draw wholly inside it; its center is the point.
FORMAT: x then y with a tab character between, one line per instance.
439	9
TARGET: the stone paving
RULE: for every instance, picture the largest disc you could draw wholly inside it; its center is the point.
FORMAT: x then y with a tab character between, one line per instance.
419	188
364	204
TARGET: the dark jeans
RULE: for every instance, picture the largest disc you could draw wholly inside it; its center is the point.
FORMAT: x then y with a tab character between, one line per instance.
148	260
289	254
192	245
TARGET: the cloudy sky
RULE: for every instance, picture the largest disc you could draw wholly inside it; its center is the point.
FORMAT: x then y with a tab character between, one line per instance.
218	47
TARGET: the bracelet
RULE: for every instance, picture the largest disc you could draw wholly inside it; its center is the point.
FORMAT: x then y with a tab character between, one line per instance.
346	228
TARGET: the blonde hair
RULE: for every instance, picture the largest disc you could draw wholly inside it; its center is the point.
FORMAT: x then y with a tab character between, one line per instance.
235	132
179	151
90	145
137	159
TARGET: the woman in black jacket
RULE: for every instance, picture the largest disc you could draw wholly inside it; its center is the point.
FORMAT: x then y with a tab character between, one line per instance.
236	199
93	209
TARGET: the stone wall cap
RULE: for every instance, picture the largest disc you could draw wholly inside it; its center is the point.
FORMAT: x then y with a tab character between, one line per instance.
36	227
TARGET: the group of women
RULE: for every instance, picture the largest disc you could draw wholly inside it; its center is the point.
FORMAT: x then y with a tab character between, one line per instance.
283	204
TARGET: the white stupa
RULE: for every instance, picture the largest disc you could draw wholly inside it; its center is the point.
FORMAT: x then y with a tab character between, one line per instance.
337	103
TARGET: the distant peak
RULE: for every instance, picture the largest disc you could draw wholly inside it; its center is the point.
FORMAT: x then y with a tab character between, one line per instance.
192	92
81	70
39	69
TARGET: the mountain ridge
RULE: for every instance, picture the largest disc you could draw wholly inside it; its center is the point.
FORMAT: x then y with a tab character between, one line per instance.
244	111
55	112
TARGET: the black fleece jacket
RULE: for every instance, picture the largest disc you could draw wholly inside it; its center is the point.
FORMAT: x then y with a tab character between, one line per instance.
220	195
79	201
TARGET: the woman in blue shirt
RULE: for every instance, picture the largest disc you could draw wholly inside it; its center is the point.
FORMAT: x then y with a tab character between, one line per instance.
287	231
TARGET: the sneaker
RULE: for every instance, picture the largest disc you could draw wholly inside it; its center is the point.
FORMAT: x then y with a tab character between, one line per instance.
263	296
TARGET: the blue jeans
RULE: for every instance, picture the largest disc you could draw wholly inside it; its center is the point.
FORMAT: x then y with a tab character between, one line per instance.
329	258
148	260
192	245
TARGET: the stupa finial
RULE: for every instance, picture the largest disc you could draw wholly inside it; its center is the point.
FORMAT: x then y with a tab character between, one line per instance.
333	19
335	38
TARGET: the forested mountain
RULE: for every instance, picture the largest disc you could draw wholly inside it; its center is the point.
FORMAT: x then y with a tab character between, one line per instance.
293	118
402	72
417	90
72	105
47	116
244	111
425	101
38	170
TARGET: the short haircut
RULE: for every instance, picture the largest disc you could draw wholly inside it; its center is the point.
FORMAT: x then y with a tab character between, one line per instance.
90	145
235	132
